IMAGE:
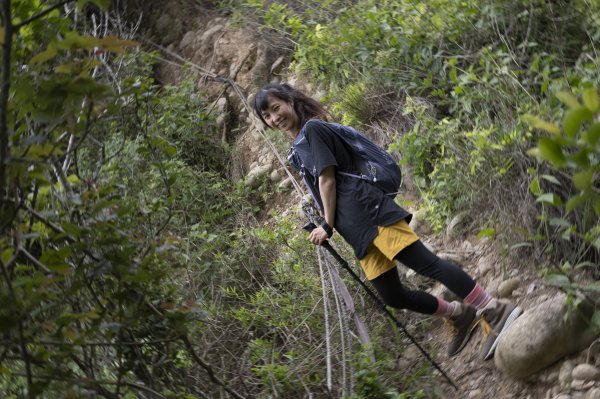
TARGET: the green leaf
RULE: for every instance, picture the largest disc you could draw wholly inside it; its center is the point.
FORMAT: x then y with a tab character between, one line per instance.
590	99
549	198
584	180
551	179
573	120
559	280
568	99
116	45
551	151
560	222
46	55
489	232
592	134
6	255
535	188
541	124
576	201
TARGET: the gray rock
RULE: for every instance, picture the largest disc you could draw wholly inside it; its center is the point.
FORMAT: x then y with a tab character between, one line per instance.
441	291
593	393
492	287
506	287
476	394
187	40
484	266
276	176
453	230
419	224
285	185
256	175
541	336
564	376
429	247
276	67
452	257
586	372
206	36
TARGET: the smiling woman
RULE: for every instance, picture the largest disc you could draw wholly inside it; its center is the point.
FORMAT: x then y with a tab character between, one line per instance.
373	224
281	107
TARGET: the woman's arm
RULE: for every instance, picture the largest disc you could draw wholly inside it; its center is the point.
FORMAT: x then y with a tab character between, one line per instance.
328	197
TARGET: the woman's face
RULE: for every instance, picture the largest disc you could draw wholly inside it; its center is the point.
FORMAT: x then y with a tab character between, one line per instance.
280	115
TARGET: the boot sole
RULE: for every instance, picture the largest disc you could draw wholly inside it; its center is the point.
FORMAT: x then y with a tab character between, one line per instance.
516	312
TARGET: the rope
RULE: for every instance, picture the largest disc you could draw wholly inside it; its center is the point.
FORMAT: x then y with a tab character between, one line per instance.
338	306
326	315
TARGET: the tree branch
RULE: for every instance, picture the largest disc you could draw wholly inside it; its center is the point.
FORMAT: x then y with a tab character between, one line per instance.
88	382
4	88
40	14
208	368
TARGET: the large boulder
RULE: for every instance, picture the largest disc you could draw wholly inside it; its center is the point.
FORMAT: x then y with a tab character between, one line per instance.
543	335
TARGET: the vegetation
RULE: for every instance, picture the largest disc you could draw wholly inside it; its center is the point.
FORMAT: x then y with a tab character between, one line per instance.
474	82
132	267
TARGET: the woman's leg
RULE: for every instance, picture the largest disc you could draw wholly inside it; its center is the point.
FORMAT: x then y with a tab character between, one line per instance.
394	294
417	257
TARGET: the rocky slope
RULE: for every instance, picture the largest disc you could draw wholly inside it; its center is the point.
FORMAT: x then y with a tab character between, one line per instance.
544	355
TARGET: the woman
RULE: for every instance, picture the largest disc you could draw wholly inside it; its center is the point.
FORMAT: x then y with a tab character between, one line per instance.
375	226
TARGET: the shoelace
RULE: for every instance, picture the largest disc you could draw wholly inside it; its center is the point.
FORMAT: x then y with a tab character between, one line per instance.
487	329
451	328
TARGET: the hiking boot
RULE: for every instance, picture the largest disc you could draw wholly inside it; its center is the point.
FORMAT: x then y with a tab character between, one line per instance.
461	323
495	318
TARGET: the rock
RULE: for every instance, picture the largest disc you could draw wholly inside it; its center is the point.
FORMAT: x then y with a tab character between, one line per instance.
419	224
493	285
187	40
285	185
451	257
275	68
416	279
506	287
484	266
222	114
476	394
429	247
207	36
453	230
565	374
581	385
541	336
586	372
593	393
256	175
276	176
441	291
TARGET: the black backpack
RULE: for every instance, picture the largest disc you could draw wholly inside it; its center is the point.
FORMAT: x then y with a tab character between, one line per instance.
374	164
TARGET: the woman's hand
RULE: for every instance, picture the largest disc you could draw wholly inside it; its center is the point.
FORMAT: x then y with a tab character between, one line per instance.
318	236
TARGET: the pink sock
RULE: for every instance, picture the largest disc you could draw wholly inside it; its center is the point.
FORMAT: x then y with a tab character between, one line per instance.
478	297
444	309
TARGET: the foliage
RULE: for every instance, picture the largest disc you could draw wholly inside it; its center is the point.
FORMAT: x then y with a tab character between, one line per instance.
94	205
572	151
462	73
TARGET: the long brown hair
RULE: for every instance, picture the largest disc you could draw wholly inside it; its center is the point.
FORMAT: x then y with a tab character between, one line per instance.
304	106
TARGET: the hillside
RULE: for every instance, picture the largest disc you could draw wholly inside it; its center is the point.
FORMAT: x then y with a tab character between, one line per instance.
151	230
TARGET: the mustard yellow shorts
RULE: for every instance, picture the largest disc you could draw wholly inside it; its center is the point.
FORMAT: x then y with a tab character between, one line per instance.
390	240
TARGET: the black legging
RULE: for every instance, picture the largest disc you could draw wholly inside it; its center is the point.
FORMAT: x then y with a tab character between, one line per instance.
417	257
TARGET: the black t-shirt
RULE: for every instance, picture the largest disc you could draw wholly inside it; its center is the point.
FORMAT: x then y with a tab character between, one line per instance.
360	205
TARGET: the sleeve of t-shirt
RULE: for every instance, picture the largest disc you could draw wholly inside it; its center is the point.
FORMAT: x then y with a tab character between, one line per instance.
322	146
